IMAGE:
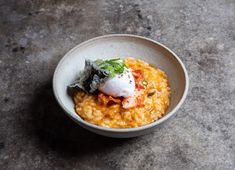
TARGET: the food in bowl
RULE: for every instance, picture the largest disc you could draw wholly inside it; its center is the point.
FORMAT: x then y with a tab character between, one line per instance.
121	93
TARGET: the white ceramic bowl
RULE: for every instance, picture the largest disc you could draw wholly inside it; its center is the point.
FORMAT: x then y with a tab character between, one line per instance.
120	45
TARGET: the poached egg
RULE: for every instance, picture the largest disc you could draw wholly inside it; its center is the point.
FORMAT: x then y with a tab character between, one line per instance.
121	85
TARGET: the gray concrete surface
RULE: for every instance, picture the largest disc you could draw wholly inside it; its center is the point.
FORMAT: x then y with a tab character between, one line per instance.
34	132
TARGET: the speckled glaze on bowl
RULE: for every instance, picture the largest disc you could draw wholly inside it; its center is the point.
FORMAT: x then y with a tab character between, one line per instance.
120	45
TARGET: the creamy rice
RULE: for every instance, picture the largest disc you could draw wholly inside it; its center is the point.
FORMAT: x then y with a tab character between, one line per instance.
115	116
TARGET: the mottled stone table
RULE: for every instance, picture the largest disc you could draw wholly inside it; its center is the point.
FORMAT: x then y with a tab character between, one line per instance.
36	134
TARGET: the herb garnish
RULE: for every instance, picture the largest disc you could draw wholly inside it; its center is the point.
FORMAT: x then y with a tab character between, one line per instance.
96	73
151	92
144	83
113	66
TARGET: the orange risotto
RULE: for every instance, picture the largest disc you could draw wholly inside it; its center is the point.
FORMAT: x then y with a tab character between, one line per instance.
152	101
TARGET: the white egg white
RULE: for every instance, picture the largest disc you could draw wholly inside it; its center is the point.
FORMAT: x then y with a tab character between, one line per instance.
121	85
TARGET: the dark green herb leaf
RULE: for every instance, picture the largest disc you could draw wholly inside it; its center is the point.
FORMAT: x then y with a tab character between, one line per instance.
151	94
113	66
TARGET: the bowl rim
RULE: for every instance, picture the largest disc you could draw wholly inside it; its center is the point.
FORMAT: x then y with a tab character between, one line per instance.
120	130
